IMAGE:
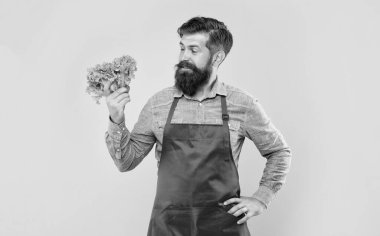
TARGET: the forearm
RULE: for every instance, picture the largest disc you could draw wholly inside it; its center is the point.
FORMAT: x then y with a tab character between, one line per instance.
271	145
126	150
274	174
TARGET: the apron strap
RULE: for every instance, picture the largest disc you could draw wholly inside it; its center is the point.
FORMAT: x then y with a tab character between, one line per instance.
225	116
172	108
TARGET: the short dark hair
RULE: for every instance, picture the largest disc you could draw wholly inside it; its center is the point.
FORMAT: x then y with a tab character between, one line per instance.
220	38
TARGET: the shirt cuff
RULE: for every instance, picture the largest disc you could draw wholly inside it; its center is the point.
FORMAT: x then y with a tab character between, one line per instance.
116	130
264	195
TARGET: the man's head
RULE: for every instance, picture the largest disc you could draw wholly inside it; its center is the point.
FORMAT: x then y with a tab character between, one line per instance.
204	44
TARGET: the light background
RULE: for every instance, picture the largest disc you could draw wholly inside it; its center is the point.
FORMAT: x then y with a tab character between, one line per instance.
313	65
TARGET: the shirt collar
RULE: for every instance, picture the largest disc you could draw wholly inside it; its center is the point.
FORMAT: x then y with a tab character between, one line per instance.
217	88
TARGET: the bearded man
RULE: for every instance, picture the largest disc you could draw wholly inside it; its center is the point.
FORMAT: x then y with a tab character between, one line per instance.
199	126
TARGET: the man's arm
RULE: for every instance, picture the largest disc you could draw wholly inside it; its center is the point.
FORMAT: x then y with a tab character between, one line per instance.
271	145
126	148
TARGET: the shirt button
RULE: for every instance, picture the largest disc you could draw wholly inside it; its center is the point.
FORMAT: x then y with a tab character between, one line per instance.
200	104
118	132
118	150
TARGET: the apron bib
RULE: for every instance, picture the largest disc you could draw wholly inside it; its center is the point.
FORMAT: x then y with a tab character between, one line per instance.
196	175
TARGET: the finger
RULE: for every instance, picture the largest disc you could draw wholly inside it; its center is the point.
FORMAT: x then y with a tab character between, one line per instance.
232	200
115	102
240	211
236	207
112	100
113	87
118	92
124	101
121	97
244	219
106	90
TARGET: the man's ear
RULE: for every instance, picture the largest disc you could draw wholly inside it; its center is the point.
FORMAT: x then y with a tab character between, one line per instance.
218	58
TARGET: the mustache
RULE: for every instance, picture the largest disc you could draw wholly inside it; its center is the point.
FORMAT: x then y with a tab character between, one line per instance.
186	64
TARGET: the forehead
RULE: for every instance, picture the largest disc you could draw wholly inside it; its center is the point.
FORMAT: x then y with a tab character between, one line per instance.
197	39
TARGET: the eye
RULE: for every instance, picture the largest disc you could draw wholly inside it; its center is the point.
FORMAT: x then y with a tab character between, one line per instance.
194	51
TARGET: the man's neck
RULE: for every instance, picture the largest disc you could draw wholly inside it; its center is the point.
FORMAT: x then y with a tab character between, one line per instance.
205	89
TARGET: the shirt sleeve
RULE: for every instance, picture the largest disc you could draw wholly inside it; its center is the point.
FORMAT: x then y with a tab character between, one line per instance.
271	145
126	148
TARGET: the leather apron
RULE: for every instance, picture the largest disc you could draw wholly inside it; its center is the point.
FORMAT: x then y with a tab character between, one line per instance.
196	175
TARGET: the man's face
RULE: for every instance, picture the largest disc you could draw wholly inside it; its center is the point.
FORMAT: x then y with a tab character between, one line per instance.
194	67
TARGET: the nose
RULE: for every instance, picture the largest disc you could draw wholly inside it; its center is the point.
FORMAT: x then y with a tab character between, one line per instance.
184	55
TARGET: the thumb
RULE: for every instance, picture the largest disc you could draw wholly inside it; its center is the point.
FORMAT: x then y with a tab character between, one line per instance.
106	90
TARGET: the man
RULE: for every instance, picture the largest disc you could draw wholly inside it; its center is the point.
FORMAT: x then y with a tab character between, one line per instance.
199	126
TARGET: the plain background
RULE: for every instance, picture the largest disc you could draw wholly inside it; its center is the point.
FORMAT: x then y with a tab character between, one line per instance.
313	65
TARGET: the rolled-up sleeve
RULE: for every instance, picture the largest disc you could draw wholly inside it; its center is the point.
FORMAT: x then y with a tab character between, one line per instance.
126	148
271	145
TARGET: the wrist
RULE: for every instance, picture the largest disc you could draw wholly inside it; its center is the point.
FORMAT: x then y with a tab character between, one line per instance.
260	203
117	119
264	195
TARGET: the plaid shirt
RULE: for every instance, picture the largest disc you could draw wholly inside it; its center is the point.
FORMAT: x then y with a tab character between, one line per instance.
247	120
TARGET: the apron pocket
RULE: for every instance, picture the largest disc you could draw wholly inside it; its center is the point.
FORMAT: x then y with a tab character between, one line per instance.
172	221
216	221
187	220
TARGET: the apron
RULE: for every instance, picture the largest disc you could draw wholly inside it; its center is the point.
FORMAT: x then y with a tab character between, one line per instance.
196	175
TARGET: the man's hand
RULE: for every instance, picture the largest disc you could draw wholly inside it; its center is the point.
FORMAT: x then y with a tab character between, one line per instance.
116	102
245	205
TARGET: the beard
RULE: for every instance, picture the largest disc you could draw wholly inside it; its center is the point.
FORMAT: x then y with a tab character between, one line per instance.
188	81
